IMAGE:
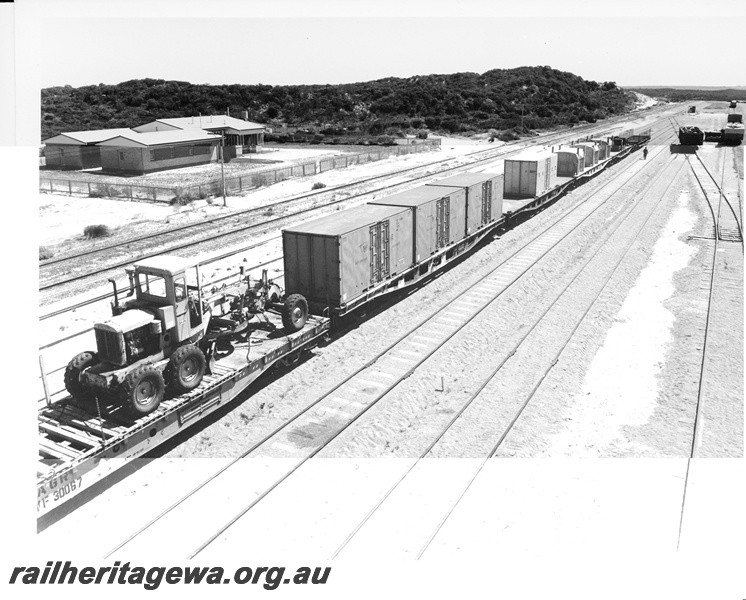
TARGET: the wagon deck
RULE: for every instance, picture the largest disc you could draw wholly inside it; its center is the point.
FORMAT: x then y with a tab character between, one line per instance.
77	448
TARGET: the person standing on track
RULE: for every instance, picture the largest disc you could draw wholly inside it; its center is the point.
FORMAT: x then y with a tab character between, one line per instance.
645	153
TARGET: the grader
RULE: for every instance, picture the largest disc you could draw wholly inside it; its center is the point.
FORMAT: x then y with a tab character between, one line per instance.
163	337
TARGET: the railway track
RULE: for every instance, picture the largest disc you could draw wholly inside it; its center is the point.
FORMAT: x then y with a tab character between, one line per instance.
234	227
726	227
55	369
370	384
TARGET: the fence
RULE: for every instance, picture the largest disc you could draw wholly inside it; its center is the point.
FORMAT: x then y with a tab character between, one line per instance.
214	188
340	162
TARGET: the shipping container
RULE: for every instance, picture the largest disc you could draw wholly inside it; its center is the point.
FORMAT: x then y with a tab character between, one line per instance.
529	175
603	148
438	217
570	161
337	258
483	199
590	153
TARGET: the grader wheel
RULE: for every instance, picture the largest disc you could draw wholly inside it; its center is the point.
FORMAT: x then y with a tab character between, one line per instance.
185	369
142	391
294	313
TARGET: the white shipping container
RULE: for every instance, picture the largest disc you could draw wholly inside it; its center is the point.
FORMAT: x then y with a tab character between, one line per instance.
530	175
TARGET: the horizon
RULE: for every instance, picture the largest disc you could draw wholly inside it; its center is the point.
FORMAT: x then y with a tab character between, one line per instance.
671	87
328	42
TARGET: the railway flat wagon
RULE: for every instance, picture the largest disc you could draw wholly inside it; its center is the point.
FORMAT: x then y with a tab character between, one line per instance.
79	447
619	141
438	217
529	175
334	261
483	199
641	137
570	161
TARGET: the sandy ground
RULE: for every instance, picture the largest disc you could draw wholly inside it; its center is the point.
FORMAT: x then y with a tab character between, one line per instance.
620	399
60	216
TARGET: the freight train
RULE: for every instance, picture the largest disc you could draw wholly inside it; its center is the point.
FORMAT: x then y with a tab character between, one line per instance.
342	261
339	263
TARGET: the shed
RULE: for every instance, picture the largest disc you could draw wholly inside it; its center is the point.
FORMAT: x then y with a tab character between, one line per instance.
78	149
483	198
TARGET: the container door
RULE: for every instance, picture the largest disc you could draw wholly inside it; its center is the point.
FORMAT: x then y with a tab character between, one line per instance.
486	202
380	252
442	221
528	179
375	262
385	251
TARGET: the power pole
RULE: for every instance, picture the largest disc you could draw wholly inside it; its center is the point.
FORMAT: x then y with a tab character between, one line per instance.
222	165
523	131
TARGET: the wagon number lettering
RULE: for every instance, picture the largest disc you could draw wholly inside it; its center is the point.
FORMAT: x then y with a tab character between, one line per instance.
58	489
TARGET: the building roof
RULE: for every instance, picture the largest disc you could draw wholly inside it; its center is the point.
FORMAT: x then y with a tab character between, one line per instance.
210	122
87	137
163	138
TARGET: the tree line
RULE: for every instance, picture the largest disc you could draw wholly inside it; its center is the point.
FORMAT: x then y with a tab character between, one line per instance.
523	98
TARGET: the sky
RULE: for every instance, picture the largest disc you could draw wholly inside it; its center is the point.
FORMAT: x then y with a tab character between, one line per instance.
286	42
631	50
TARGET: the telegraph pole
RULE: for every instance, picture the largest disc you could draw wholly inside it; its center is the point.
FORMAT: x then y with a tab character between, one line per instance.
222	164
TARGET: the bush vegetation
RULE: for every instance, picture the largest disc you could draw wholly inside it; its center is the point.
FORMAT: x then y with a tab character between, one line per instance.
183	197
496	99
45	253
96	231
318	185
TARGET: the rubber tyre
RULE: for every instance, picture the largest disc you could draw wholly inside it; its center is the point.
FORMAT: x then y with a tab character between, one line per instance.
82	396
142	391
294	313
185	369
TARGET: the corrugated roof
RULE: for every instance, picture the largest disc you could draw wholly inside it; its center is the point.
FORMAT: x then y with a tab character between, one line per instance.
211	122
92	136
160	138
